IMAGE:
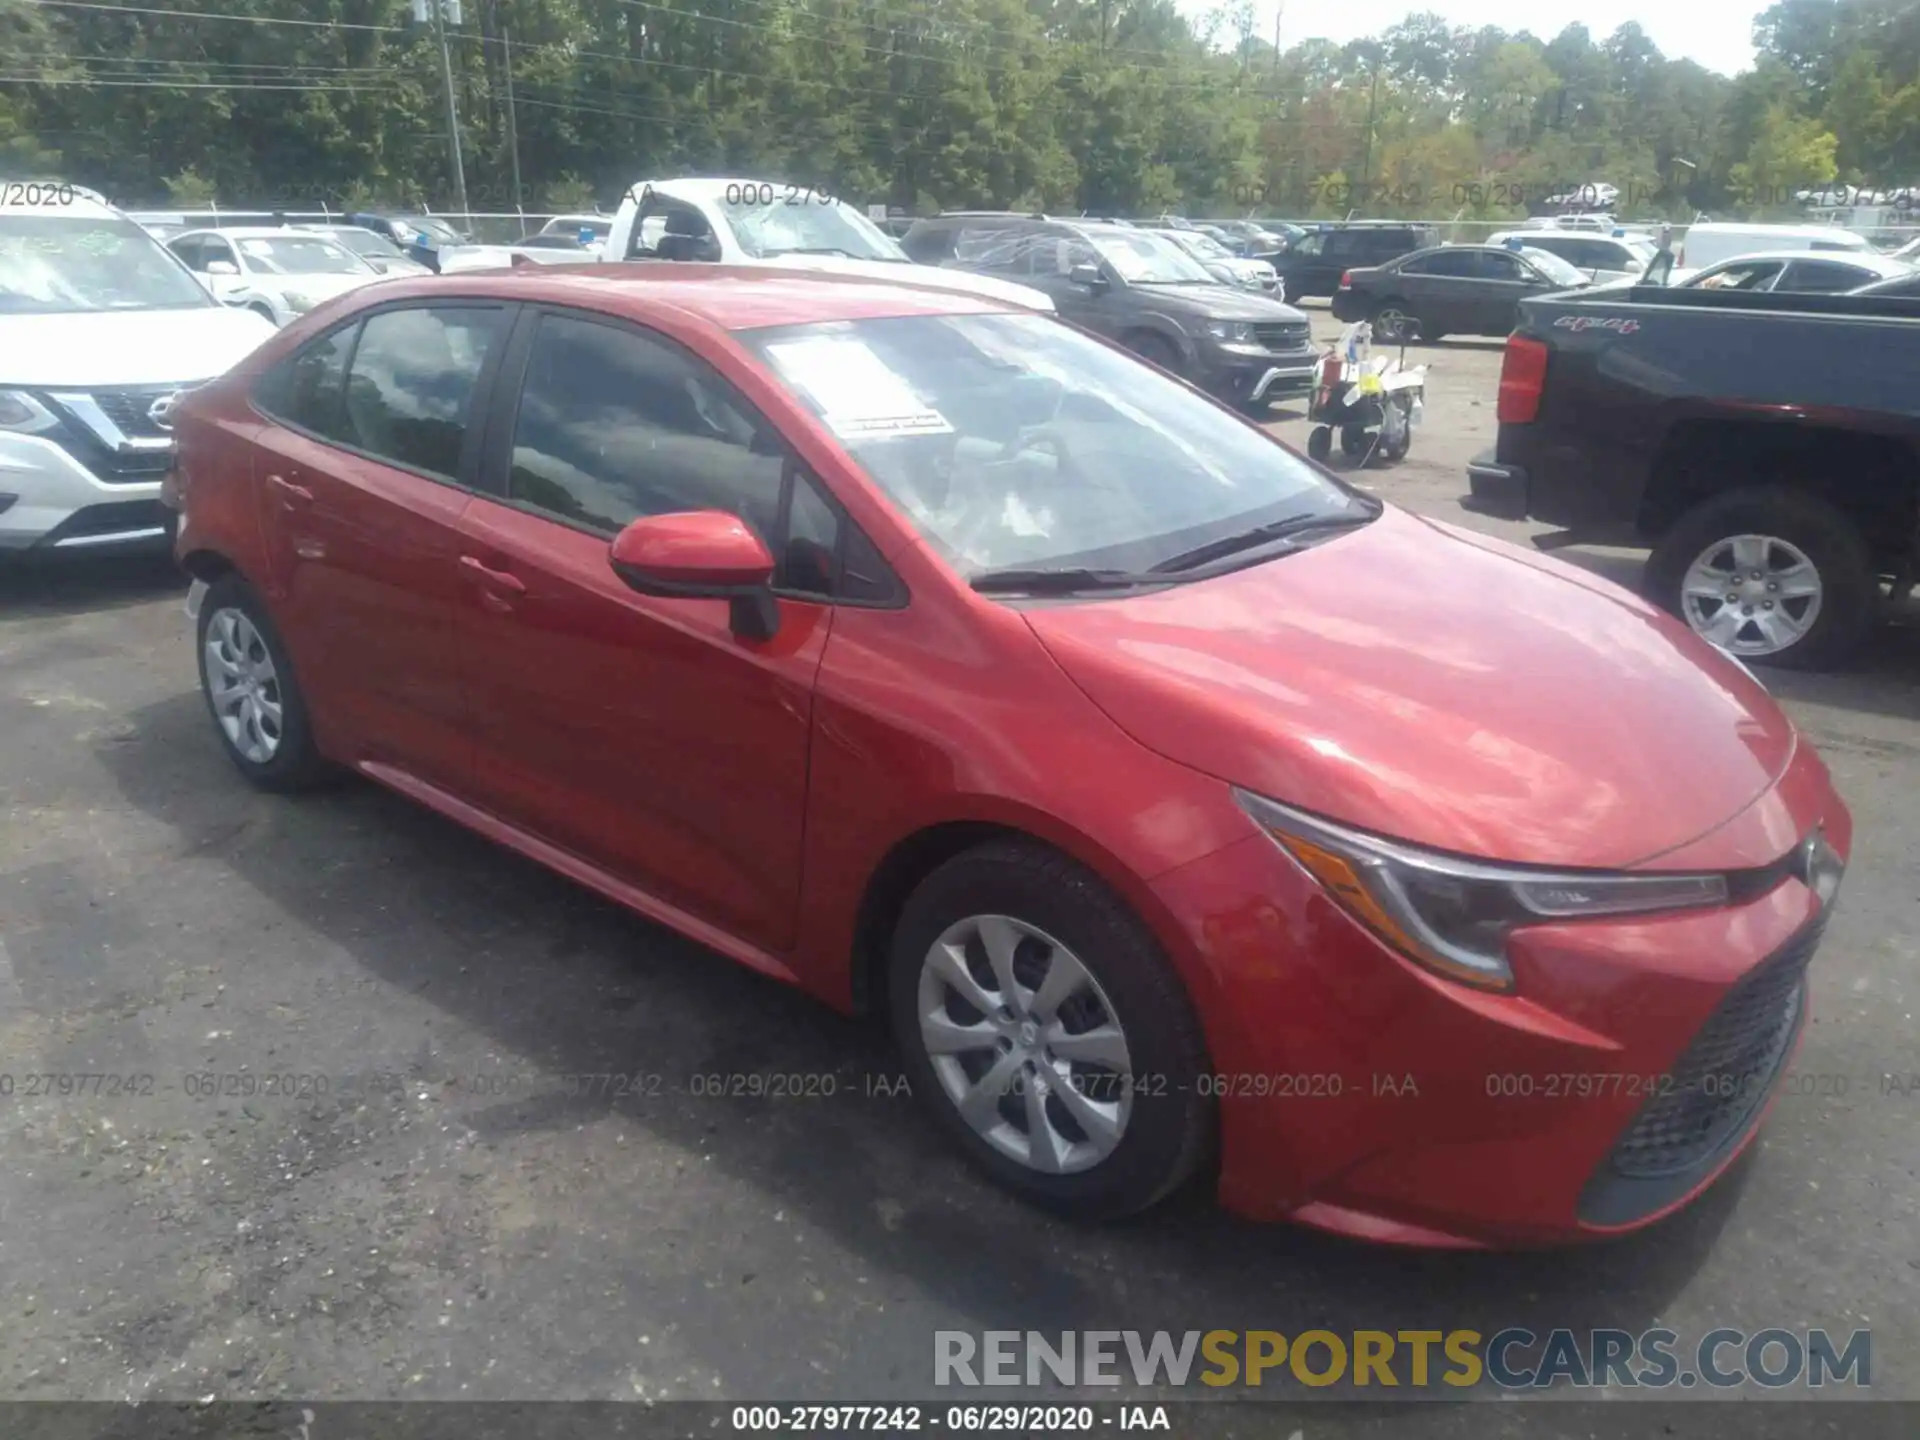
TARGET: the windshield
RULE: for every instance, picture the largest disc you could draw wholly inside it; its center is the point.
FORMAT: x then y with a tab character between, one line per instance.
1203	247
62	264
1142	258
804	226
300	255
365	242
1012	441
1561	272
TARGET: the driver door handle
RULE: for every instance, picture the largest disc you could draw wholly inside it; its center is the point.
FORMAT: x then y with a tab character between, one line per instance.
498	579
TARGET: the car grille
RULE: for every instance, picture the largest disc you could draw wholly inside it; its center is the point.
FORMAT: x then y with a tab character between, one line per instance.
128	409
1282	335
1728	1070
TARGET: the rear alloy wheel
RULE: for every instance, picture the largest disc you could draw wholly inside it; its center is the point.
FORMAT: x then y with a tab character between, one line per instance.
1774	575
1393	323
1046	1033
251	692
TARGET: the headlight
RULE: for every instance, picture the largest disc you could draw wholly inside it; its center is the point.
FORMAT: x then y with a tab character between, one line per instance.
1234	332
1453	915
299	304
23	414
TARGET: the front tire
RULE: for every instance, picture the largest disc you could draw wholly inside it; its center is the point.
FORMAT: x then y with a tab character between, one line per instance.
1156	350
1320	444
1047	1034
247	678
1773	575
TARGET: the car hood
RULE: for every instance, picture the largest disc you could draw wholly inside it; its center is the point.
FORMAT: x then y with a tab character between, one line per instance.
1439	686
1219	302
126	347
963	281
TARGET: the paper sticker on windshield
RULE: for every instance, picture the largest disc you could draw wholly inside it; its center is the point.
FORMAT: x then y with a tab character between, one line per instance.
262	248
858	396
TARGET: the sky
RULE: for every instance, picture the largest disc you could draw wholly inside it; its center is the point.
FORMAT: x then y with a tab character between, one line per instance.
1713	33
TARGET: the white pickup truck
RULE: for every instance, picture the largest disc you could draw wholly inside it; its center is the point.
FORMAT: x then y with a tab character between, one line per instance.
753	222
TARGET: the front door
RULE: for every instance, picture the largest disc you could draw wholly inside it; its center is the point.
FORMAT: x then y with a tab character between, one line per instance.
361	480
639	732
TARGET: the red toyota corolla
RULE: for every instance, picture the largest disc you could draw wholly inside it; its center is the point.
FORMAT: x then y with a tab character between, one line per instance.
1183	808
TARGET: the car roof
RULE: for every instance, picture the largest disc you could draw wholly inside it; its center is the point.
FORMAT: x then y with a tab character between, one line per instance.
729	297
253	232
1864	259
82	204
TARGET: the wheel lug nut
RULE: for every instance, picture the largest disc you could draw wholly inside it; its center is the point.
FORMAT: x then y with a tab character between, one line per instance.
1766	604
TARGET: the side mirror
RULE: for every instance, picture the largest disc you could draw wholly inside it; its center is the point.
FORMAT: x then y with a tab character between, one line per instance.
701	553
222	267
1089	276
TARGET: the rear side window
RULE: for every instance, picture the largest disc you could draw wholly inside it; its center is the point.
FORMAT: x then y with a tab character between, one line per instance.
306	388
1822	277
410	386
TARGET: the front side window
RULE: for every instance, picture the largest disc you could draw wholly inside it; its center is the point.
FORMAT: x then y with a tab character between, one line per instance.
409	392
1748	275
65	264
1013	441
614	425
1557	270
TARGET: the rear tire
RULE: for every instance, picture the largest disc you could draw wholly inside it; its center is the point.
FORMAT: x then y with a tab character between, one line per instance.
1013	961
251	692
1797	543
1394	322
1355	442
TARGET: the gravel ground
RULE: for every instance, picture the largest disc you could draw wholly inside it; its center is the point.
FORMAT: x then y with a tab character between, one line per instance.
425	1205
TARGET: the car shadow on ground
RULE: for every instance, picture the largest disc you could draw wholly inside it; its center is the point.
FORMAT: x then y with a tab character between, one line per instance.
41	586
565	982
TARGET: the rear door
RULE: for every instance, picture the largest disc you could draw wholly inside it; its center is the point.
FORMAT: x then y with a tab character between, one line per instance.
360	479
1438	287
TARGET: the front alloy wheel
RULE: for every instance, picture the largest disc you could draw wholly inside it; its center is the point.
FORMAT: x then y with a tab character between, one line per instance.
1752	595
1025	1044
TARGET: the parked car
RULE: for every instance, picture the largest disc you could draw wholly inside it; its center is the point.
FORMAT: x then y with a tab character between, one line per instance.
1601	258
1141	289
277	273
422	237
1315	262
1258	242
1797	271
380	254
1710	242
586	230
1223	265
945	661
1450	290
101	329
791	227
1761	444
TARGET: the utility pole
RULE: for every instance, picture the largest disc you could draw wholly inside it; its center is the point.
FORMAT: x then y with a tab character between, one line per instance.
439	8
1278	11
513	120
1366	155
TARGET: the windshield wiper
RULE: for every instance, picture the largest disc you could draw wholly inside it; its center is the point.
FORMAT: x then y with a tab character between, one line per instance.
1288	525
1058	582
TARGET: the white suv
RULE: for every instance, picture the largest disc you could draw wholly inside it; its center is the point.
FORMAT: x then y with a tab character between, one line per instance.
100	329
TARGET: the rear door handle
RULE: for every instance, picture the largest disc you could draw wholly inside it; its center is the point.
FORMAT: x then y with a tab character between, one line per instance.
499	579
294	497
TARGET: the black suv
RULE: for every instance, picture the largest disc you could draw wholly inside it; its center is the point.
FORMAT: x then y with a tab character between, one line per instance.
1314	263
1139	289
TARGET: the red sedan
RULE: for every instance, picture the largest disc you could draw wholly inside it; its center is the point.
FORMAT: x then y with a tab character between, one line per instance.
1184	809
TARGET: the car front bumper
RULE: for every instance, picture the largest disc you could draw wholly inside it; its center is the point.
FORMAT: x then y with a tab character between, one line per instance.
1495	489
50	501
1253	378
1360	1093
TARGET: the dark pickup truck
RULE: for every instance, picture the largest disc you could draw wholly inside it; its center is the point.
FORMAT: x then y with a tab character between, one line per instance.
1766	447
